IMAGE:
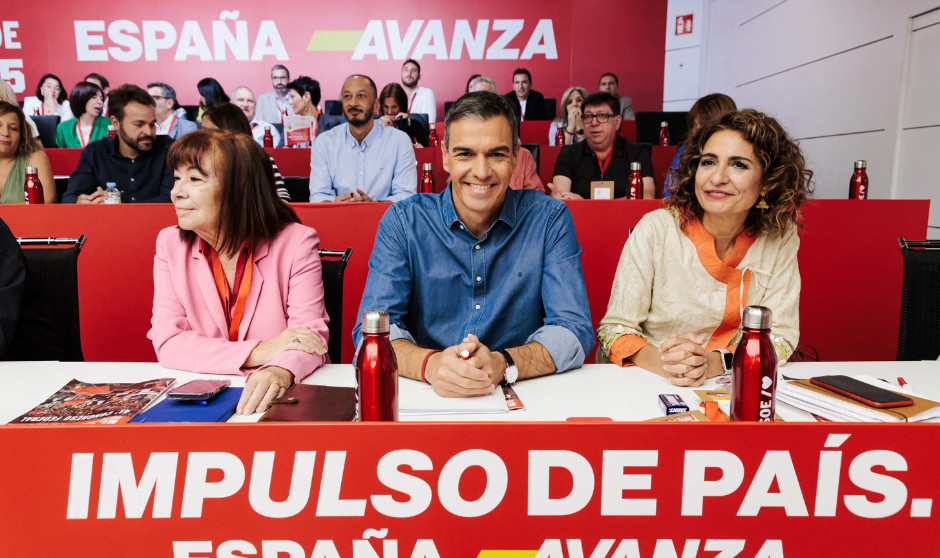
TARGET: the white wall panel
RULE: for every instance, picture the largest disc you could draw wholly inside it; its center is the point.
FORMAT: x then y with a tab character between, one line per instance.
681	75
832	159
917	176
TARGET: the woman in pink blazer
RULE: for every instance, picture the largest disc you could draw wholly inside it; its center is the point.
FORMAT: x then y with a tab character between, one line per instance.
237	285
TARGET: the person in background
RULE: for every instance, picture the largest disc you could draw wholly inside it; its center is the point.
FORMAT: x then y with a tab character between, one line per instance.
569	117
135	160
528	103
304	97
105	86
244	98
18	151
479	267
168	122
392	103
27	330
237	284
360	161
210	94
708	108
274	105
50	99
603	156
420	99
725	239
7	94
525	176
86	100
470	80
229	117
610	84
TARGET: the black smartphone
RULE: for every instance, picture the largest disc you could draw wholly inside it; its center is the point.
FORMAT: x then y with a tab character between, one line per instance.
860	391
199	390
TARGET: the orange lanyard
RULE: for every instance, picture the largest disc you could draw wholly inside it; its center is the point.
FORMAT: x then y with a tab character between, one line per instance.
81	138
233	315
170	127
412	103
603	165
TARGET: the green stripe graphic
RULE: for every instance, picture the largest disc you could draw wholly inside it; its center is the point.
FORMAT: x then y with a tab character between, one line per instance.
334	40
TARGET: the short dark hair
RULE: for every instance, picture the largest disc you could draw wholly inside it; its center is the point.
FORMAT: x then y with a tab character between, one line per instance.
469	81
26	146
101	79
599	98
281	67
412	61
787	181
375	90
83	92
396	92
481	105
127	93
211	90
62	95
249	209
305	84
228	117
167	89
611	74
522	71
709	108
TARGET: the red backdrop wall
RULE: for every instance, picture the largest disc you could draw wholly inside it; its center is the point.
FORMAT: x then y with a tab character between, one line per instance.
849	261
562	43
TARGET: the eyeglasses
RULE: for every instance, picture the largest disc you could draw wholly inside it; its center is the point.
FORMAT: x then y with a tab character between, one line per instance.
601	118
158	97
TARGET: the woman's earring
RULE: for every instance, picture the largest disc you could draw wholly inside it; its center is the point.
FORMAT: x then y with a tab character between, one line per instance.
762	204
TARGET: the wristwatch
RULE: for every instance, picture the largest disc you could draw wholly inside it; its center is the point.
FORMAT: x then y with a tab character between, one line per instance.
727	360
512	372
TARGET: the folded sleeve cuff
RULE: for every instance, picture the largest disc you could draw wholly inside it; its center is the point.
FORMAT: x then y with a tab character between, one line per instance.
561	344
625	347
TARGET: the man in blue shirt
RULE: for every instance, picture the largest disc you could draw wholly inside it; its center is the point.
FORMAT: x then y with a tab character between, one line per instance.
359	161
482	283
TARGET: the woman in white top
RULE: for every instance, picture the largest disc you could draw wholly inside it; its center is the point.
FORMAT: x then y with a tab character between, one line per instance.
726	239
50	99
569	116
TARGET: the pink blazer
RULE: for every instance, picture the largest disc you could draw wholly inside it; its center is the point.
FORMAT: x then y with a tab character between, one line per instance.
188	327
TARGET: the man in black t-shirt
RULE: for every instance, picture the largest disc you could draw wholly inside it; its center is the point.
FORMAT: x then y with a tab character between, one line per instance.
603	158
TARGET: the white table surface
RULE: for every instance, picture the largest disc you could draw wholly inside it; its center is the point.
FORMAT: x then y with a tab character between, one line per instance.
597	390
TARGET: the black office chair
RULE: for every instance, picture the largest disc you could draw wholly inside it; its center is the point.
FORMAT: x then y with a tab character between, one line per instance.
447	105
298	187
648	124
550	105
192	111
420	126
57	273
46	125
279	126
919	331
534	150
333	108
333	264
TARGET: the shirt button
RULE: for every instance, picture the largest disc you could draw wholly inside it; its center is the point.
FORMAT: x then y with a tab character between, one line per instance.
132	180
476	247
478	306
479	279
461	227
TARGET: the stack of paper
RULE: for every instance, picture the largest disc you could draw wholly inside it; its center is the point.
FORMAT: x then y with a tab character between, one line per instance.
423	401
832	406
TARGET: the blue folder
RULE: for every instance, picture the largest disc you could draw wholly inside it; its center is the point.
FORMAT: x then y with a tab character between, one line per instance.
217	409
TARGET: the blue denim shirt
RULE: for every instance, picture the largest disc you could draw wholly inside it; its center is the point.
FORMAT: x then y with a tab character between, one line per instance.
521	282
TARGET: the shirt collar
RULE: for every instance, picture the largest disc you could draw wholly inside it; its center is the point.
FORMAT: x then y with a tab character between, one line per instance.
507	214
375	134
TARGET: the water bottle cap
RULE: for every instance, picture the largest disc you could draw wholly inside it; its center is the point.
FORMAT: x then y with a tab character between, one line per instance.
110	128
634	166
663	124
267	127
32	170
426	166
861	164
375	321
756	317
111	184
433	125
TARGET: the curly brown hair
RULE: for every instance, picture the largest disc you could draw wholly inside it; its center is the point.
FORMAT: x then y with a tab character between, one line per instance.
787	181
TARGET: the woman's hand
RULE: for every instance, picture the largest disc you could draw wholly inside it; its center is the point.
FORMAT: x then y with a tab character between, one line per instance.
574	120
683	360
291	339
262	387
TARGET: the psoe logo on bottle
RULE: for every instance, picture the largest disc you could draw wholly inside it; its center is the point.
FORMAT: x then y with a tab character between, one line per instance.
488	40
229	36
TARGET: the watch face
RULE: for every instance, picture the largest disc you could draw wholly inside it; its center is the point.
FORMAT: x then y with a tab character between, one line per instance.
728	360
512	373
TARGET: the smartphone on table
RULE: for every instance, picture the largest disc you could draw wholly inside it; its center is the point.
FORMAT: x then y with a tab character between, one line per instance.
862	392
199	390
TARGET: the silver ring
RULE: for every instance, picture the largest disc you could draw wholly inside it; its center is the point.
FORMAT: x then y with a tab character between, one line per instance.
680	375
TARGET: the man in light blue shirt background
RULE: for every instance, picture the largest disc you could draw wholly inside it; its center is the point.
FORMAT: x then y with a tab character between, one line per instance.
482	283
359	160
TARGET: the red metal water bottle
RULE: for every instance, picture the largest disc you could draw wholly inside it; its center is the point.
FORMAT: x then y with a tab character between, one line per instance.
664	134
36	111
635	185
858	186
754	371
111	133
268	136
560	135
427	179
33	187
377	370
432	136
